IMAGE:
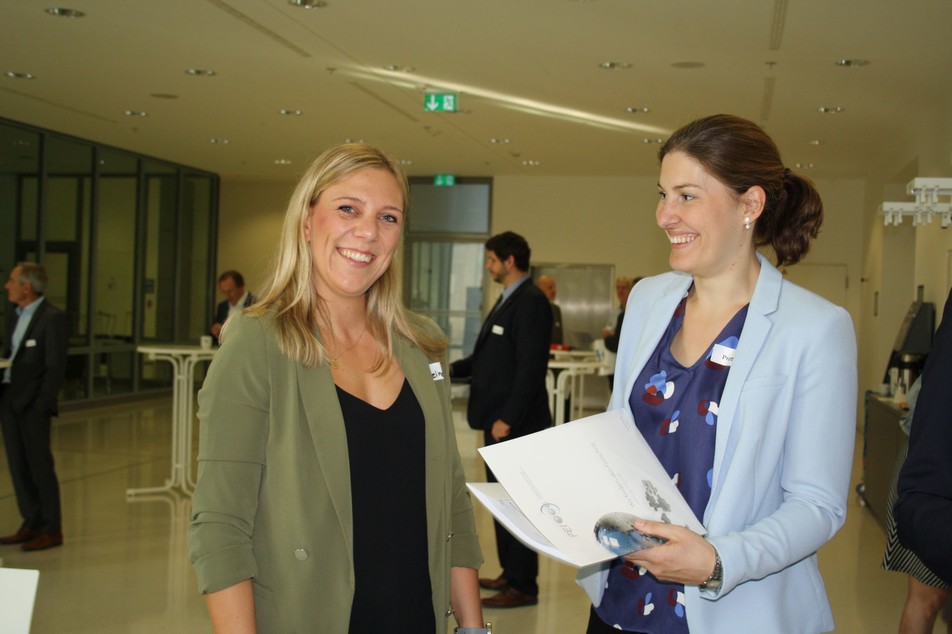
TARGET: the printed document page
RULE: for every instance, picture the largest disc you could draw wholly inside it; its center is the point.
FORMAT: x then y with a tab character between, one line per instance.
565	478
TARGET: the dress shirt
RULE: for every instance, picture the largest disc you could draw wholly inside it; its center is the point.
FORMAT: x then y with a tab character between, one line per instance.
24	317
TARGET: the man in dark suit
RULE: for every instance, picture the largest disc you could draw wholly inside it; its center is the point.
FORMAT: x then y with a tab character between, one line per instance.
232	286
923	511
36	345
507	397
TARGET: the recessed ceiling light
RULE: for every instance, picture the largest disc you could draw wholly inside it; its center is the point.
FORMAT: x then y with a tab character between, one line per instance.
830	109
614	65
851	63
282	161
688	65
15	75
636	109
804	166
405	162
501	140
816	142
291	112
200	72
215	141
349	140
658	141
65	13
308	4
531	163
136	113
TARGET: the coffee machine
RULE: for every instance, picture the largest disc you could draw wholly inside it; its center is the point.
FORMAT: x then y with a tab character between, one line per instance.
912	345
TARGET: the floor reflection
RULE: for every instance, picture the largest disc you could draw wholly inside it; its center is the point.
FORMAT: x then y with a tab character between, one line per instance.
124	567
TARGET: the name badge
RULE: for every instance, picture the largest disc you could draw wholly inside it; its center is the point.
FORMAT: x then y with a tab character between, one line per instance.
722	355
436	371
30	343
497	329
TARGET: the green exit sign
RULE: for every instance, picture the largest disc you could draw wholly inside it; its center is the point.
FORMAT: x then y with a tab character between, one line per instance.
444	180
439	102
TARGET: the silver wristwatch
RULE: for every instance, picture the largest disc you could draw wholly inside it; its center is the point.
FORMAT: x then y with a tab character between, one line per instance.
716	580
486	629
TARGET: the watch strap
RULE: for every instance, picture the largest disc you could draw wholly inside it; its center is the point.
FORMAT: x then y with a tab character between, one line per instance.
716	579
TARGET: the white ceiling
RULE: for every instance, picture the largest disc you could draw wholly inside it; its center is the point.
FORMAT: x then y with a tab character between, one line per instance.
526	70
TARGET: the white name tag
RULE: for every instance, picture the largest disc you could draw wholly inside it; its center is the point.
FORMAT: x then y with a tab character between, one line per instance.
436	371
497	329
722	355
30	343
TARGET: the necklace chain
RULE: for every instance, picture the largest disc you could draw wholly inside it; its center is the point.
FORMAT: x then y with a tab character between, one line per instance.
335	361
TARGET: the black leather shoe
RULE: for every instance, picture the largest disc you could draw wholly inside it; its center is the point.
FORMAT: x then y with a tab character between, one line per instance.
21	536
510	598
498	584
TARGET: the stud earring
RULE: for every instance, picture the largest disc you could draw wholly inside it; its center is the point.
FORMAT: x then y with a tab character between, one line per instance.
747	223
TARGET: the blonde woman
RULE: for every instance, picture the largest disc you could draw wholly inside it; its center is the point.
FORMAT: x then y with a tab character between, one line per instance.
330	495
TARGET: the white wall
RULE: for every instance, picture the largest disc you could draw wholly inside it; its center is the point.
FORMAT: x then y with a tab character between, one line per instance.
586	220
249	226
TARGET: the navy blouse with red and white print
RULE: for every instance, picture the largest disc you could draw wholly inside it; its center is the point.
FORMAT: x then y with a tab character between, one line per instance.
675	408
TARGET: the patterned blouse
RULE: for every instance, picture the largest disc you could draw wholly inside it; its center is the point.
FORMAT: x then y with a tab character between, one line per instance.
671	403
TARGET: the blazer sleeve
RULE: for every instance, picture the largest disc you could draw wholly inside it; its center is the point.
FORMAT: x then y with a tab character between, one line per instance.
923	511
234	416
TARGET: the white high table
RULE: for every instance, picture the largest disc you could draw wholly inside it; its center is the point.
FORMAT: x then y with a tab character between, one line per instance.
183	359
570	381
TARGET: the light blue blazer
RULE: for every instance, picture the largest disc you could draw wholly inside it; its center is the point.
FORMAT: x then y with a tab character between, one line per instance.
785	433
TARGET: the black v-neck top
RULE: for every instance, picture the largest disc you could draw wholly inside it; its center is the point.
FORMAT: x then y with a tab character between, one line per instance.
387	453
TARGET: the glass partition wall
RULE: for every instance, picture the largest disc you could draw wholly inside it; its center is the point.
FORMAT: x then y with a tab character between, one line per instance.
129	245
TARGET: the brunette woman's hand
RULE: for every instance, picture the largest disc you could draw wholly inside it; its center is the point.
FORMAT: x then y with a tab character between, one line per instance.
686	557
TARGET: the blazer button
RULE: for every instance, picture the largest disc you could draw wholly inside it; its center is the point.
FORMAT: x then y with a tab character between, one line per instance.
300	554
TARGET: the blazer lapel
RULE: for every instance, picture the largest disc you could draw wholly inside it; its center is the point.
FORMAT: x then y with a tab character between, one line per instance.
416	367
655	323
757	328
326	423
497	311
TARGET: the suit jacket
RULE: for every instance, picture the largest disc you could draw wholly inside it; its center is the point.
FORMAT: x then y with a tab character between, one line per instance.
39	367
785	432
223	309
273	500
923	511
558	335
508	364
221	312
611	341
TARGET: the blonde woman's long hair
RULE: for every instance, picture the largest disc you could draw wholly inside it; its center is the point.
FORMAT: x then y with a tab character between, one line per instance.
291	295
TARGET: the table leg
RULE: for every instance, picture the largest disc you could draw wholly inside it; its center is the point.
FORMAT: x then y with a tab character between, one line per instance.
176	476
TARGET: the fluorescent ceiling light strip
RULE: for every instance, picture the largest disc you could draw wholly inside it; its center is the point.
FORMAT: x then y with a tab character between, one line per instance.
413	82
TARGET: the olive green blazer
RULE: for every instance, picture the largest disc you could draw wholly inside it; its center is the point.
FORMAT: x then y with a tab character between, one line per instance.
273	501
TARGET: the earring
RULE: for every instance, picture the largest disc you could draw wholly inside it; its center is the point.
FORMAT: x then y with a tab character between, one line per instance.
747	223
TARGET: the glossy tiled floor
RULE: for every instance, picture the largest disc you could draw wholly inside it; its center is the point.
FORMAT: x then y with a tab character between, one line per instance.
123	568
